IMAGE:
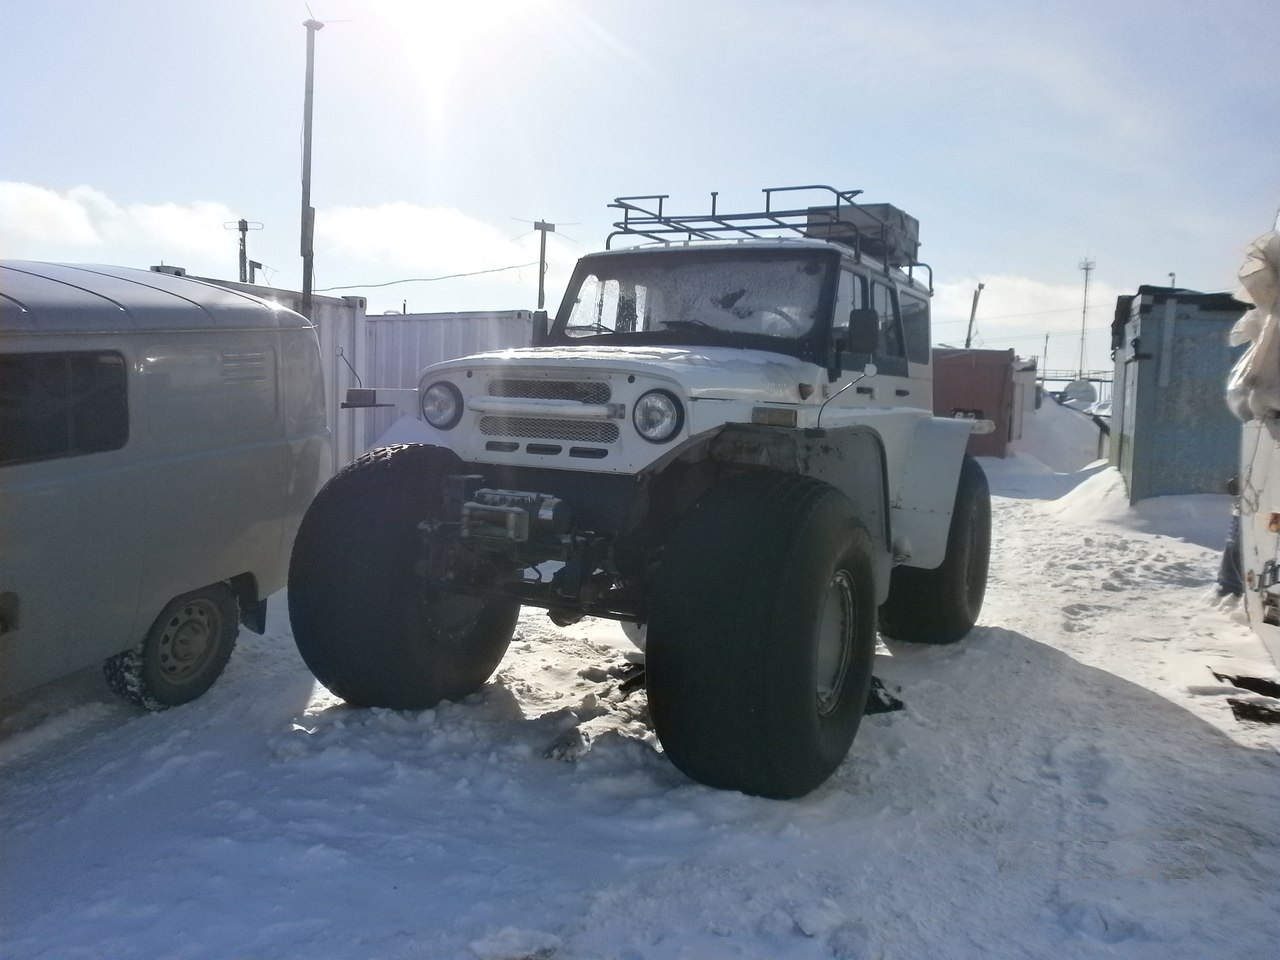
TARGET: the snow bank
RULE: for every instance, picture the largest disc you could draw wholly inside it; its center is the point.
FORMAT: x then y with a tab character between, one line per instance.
1063	439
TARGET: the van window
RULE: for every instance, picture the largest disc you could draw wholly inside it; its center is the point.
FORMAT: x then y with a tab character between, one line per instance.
915	325
61	405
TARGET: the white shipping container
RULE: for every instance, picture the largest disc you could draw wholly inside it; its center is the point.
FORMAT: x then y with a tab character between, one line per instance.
399	346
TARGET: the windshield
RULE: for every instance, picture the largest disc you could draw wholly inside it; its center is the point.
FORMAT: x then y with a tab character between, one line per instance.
662	295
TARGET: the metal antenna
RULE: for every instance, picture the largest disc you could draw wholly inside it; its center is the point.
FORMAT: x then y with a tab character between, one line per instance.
1087	266
244	226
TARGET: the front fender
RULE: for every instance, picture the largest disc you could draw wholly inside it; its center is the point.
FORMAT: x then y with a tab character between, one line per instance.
920	512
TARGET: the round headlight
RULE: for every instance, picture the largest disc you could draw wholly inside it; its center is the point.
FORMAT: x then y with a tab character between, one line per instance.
658	416
442	405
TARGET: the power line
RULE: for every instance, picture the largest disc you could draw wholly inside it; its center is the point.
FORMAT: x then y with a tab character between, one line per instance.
1015	316
448	276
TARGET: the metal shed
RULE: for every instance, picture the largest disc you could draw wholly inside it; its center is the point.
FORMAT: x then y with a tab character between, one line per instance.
978	385
1171	431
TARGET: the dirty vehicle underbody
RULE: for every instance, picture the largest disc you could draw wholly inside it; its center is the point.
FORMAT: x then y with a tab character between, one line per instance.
782	493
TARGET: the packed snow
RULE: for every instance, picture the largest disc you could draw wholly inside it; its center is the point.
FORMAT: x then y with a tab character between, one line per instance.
1067	782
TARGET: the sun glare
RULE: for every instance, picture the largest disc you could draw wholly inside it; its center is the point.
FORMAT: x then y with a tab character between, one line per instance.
451	49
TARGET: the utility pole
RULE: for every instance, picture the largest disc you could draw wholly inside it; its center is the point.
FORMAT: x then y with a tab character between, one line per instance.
1087	266
308	211
1044	364
1173	280
543	229
973	312
244	226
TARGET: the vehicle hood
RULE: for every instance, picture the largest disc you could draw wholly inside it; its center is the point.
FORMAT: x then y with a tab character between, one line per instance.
710	373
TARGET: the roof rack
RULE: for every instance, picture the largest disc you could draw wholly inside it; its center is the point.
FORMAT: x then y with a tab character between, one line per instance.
879	230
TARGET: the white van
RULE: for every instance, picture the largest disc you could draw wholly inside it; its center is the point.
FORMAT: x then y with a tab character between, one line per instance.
160	439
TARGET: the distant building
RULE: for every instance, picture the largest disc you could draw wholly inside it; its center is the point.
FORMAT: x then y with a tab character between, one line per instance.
1171	431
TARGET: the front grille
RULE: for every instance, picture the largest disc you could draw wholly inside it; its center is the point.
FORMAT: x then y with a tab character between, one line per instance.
539	428
584	391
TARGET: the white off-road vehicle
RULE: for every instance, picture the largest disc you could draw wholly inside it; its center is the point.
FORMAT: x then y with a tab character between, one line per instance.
724	435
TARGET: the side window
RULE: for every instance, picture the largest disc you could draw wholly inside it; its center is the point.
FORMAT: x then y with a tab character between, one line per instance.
55	405
884	300
851	294
915	325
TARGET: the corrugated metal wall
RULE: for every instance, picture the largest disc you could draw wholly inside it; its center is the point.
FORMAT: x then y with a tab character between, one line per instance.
1172	433
401	345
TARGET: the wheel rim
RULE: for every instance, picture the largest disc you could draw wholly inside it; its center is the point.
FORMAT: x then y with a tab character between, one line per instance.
835	641
453	615
189	641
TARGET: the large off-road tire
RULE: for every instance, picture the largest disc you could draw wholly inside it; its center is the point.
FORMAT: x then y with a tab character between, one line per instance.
183	653
942	605
761	636
366	623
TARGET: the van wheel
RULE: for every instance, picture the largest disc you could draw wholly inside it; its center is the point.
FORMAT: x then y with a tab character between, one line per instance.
762	635
942	605
367	625
183	653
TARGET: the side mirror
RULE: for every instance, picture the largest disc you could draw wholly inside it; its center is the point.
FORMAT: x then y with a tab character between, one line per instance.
540	328
864	331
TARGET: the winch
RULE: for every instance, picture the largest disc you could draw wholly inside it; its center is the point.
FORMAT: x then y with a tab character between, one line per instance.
513	515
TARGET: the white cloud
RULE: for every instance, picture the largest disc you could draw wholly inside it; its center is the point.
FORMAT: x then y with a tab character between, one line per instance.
40	223
34	214
430	239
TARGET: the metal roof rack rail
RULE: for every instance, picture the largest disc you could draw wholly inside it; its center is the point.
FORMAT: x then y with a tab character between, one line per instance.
876	229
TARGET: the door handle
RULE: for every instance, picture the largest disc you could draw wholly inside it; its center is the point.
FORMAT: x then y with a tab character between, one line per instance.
902	393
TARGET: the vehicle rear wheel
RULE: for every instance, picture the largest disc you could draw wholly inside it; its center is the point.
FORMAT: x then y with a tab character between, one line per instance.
942	605
183	653
367	624
762	635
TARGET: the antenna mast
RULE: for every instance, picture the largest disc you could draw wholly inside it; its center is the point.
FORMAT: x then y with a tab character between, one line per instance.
1087	266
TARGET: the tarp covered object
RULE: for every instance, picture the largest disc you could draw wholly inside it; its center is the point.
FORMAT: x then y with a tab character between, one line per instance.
1253	389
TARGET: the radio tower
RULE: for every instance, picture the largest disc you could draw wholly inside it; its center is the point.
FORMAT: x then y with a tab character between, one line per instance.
1086	265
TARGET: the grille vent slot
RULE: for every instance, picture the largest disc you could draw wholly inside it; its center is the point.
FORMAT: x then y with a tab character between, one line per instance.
538	428
584	391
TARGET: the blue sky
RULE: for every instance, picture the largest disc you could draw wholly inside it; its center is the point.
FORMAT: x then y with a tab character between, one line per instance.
1026	137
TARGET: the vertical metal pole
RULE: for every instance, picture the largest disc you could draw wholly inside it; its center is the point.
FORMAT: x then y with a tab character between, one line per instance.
308	212
973	312
543	228
244	256
1087	266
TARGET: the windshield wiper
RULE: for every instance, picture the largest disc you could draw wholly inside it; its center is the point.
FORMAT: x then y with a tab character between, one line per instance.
687	324
593	327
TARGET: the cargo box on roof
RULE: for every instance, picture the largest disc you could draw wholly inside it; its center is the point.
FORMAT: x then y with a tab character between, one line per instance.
879	230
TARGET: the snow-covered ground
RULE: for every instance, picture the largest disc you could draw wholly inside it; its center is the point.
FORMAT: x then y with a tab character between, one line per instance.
1067	782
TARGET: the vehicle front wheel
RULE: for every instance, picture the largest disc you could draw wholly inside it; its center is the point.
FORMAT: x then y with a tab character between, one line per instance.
942	605
183	653
762	636
367	624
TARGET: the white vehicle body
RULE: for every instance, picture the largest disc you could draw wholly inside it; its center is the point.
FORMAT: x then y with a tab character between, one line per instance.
730	445
157	435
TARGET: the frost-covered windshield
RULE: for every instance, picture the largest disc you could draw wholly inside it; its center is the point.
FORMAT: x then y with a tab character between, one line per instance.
669	292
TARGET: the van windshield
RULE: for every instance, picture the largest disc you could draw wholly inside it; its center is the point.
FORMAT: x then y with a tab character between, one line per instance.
695	296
